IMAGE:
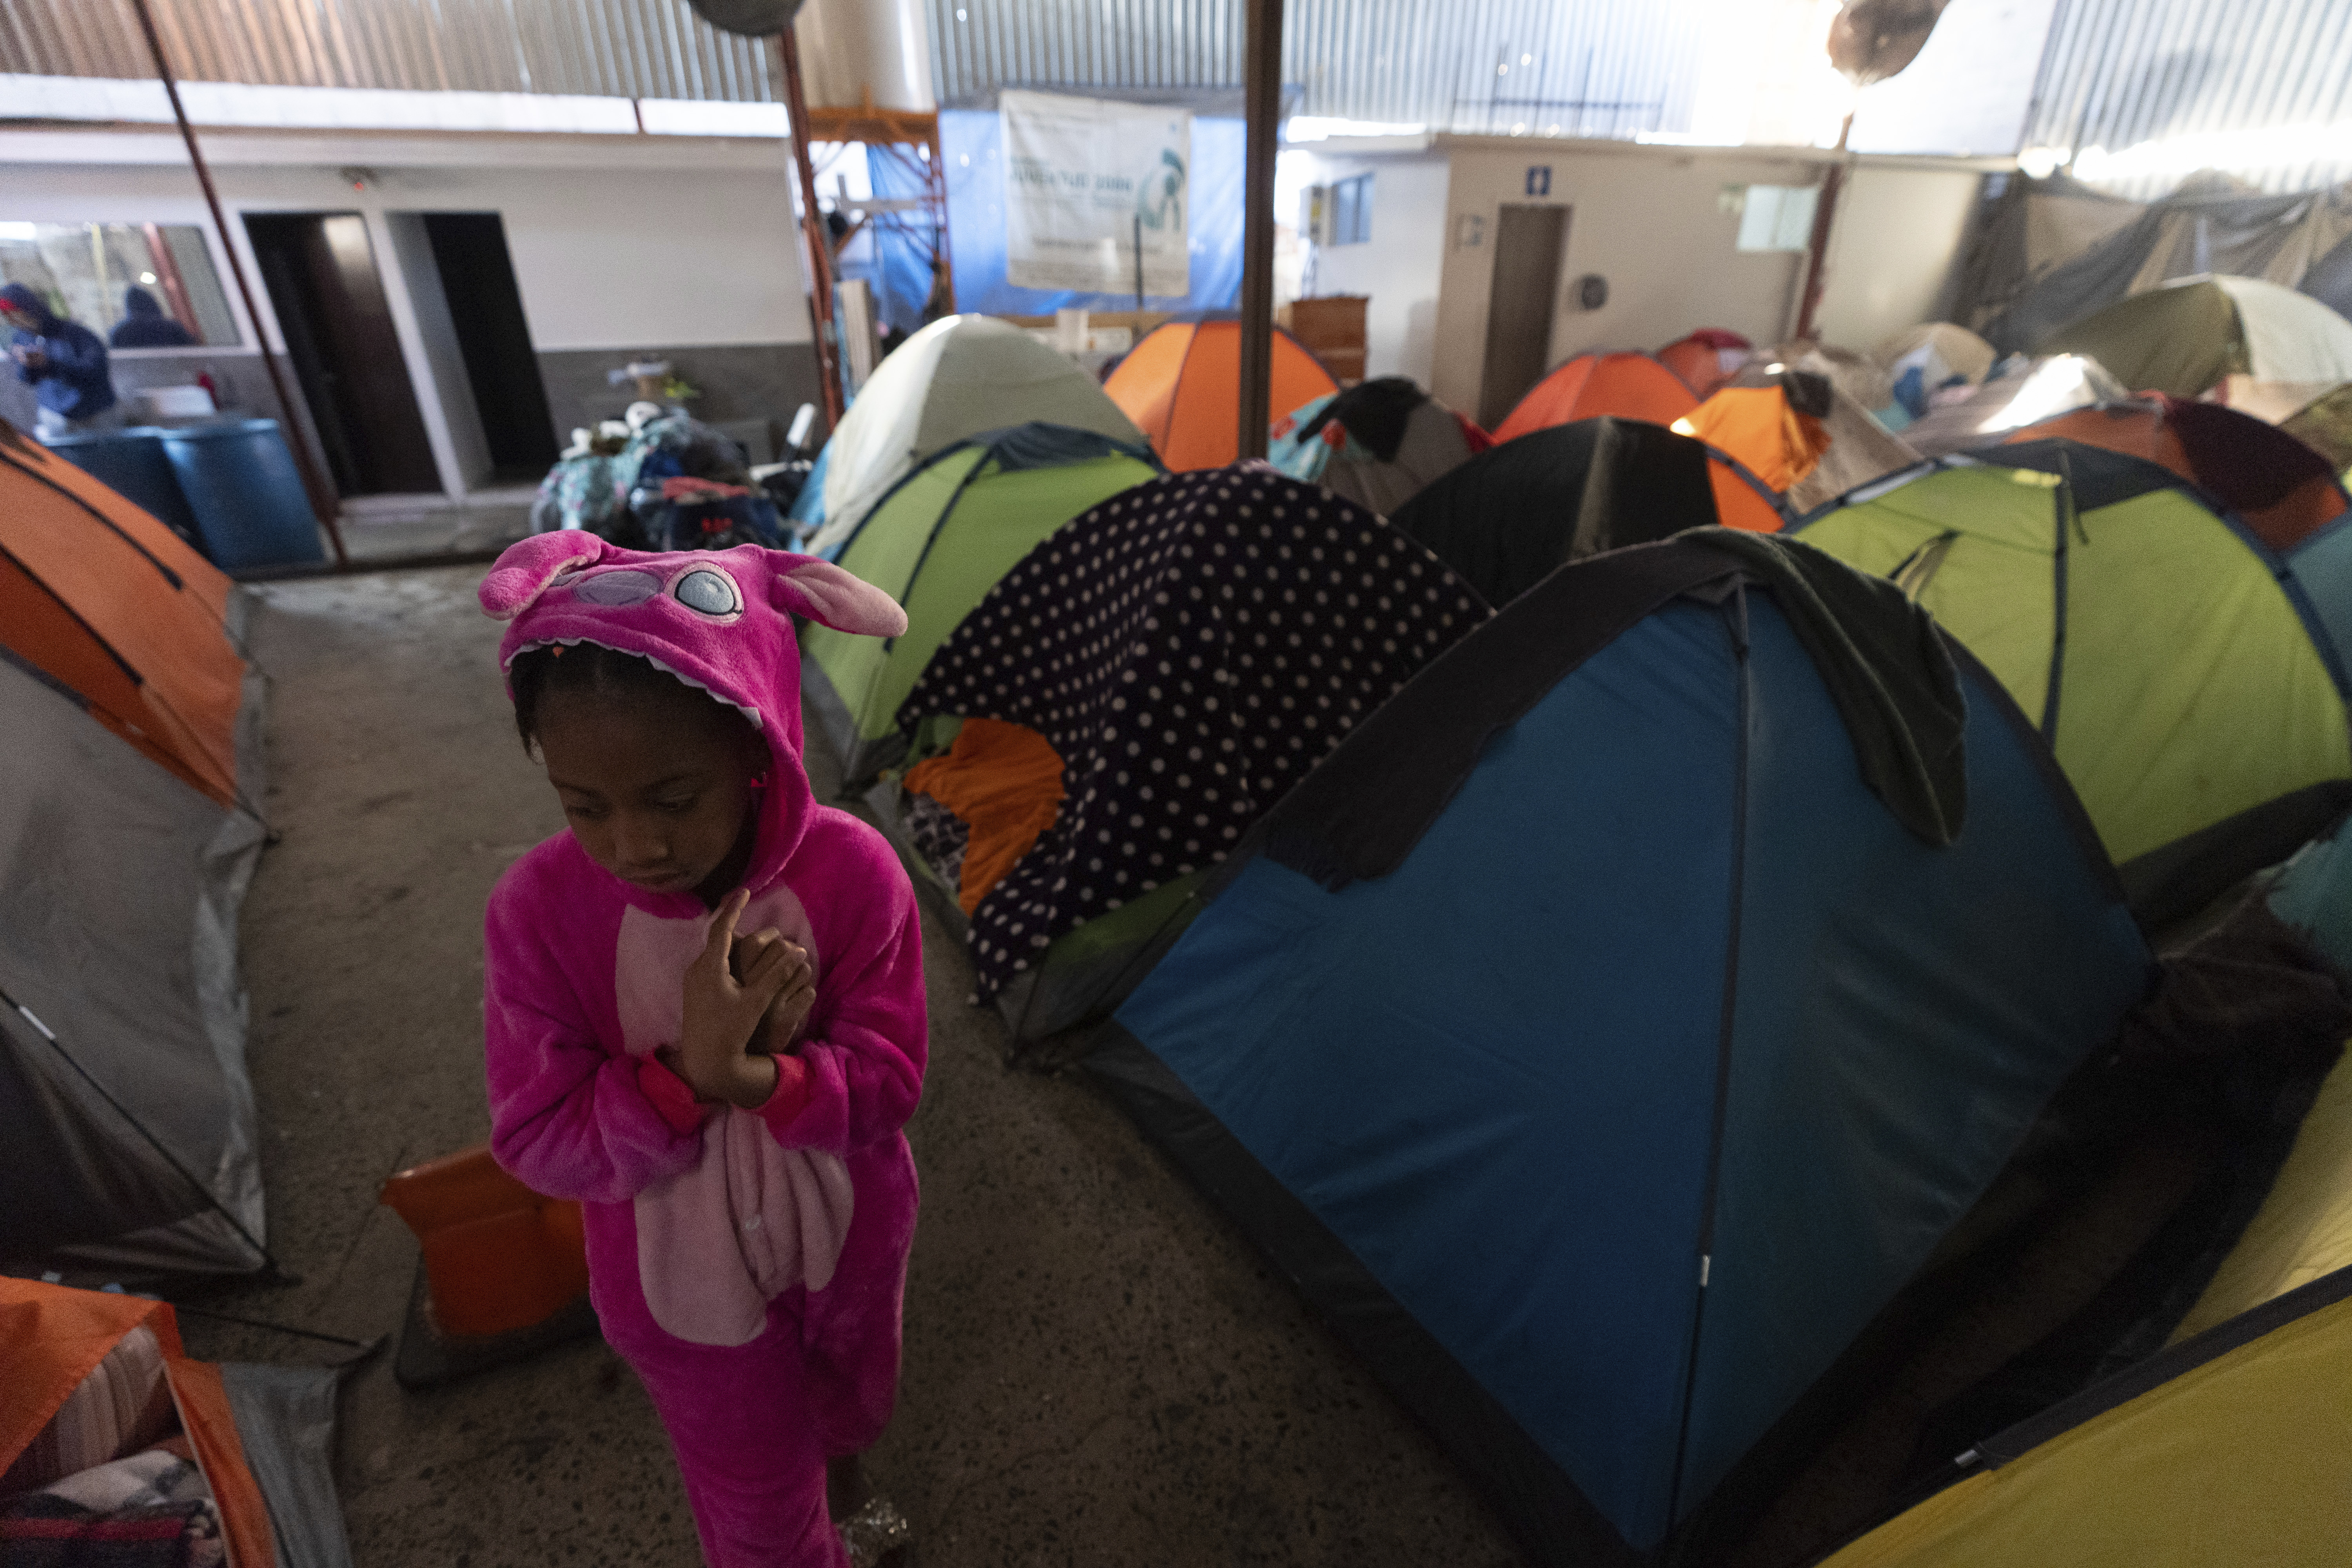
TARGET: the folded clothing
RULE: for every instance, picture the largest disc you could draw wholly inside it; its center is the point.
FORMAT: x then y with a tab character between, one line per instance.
148	1510
939	837
123	1404
1005	782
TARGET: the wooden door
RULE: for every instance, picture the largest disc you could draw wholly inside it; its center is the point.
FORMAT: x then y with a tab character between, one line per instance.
1529	244
328	298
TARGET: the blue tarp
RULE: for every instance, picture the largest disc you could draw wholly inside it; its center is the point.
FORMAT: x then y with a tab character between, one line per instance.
972	142
896	264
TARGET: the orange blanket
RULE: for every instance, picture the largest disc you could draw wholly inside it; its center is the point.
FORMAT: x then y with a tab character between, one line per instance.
1005	782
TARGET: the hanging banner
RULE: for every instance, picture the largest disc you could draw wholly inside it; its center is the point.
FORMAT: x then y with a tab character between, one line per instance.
1084	181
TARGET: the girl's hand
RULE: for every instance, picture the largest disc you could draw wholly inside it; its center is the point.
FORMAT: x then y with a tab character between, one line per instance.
780	1025
722	1012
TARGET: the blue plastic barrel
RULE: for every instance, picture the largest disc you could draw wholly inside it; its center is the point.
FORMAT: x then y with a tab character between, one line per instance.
246	496
132	463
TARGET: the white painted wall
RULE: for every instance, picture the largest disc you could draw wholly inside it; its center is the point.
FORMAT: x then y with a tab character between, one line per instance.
412	254
1649	220
609	260
1399	268
617	242
1896	238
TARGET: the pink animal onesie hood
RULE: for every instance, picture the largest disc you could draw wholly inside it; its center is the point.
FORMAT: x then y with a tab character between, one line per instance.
715	1229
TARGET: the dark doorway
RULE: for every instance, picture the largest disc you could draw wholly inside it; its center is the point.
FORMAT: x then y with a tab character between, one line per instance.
328	299
470	250
1530	242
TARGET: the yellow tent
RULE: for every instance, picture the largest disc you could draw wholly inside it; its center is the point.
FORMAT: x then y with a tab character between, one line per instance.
2231	1446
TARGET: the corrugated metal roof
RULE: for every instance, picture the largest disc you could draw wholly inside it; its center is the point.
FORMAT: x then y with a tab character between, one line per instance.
1600	67
1603	67
2116	73
2124	73
619	48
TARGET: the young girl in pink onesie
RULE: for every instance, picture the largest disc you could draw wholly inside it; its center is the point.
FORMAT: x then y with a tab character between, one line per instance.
726	1106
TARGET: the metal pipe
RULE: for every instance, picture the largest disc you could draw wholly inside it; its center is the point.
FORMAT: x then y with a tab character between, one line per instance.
820	247
321	493
1824	222
1262	93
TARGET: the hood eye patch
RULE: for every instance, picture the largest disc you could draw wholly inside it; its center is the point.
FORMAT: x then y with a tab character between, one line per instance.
616	590
708	593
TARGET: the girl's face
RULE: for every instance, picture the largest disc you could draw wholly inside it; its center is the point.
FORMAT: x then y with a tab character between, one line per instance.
658	790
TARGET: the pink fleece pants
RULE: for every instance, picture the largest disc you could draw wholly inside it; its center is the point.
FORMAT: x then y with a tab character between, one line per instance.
746	1445
753	1424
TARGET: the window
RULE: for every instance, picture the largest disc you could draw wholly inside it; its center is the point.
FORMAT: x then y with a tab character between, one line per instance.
1351	211
83	271
1772	218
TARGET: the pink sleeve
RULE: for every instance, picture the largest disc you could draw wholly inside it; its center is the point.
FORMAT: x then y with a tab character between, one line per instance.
791	1096
868	1039
671	1095
568	1118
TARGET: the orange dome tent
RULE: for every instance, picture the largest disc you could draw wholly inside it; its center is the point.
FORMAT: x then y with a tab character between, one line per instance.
2283	489
103	602
1741	499
1706	359
1181	386
95	1378
1773	437
1626	385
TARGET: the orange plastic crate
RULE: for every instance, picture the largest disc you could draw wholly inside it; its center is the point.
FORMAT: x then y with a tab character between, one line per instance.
497	1256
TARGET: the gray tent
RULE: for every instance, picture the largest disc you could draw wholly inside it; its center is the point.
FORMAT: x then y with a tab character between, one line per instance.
285	1423
125	1112
2052	251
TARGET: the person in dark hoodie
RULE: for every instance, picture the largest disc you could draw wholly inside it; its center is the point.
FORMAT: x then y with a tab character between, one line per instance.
63	361
144	325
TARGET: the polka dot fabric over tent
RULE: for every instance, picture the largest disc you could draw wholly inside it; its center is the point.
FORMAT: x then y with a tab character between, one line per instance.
1191	648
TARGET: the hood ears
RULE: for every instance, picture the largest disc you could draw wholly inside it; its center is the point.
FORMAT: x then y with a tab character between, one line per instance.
801	585
833	597
525	569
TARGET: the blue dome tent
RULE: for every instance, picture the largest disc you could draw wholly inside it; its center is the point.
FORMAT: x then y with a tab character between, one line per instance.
1615	1023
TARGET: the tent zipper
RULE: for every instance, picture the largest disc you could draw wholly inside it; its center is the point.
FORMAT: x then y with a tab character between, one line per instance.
2066	523
1735	615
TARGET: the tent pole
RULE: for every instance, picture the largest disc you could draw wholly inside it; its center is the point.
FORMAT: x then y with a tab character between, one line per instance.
212	1199
820	248
321	493
1263	99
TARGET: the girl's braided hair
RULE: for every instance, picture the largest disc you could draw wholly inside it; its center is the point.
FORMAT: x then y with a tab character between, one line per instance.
579	667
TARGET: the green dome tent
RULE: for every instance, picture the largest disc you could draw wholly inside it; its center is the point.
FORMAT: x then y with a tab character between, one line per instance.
2180	669
2188	337
959	377
937	543
2325	424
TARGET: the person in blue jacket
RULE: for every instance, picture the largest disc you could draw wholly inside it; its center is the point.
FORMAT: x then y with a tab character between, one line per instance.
63	361
144	325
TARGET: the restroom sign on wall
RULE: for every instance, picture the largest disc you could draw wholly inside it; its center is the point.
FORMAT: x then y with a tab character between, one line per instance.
1539	179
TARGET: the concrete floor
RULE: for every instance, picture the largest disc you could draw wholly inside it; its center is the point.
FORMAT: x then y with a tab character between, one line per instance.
385	529
1098	1370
